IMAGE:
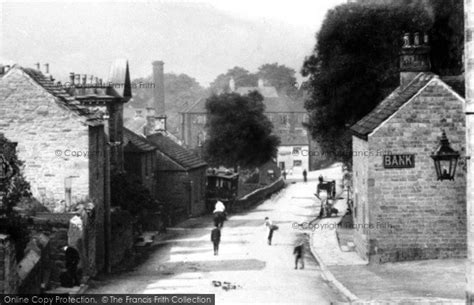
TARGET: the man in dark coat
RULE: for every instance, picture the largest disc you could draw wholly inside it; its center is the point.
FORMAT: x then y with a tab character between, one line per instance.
216	239
305	175
298	252
71	277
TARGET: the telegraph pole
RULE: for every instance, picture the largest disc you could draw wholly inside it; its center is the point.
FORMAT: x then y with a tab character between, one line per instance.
469	110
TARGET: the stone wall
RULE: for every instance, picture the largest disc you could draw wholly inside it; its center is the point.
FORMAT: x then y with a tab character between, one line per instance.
9	280
173	188
416	216
258	195
52	141
360	165
122	237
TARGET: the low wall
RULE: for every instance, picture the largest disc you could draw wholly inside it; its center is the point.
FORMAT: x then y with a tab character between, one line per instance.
258	195
122	237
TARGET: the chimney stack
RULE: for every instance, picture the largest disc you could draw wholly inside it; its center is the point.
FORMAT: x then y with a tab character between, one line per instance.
414	57
46	68
159	89
84	79
38	66
78	79
71	78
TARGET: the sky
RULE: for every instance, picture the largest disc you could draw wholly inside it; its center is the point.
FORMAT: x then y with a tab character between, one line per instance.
200	38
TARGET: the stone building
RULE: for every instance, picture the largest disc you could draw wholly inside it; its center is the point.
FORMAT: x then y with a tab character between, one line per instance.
61	142
140	159
286	114
180	177
403	211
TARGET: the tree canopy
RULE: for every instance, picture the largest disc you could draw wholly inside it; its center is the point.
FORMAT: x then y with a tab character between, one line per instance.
354	64
279	76
239	133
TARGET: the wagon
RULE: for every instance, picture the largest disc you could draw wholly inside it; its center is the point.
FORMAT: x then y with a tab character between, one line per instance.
223	186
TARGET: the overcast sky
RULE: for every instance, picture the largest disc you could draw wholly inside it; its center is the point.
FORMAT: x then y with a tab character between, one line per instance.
199	38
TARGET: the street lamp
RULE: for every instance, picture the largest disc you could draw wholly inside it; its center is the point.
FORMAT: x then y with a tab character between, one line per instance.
445	159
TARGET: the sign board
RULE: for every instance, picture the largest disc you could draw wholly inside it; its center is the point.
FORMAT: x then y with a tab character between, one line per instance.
399	161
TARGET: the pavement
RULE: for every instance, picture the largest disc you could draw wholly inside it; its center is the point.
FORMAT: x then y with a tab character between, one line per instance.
415	282
182	260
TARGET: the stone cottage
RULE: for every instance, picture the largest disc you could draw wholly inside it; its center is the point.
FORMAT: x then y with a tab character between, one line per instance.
180	177
401	210
61	143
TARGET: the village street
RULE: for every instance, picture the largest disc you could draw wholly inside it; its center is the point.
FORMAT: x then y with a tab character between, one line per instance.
184	261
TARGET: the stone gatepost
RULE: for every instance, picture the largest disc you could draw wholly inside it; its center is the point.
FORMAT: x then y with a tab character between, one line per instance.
469	110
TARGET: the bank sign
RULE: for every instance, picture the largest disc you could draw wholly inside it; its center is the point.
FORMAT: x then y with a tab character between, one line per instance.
399	161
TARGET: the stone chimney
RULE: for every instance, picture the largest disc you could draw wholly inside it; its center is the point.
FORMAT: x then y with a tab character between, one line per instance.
414	57
159	89
232	84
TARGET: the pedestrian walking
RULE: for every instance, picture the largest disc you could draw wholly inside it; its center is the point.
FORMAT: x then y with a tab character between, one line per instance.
216	239
270	229
298	252
219	214
284	174
305	175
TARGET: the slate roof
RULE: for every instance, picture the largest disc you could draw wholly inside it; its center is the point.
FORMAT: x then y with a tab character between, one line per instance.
178	154
266	91
63	98
293	139
278	104
390	105
139	143
136	125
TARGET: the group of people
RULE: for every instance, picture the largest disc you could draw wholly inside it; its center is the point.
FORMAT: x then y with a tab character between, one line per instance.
219	217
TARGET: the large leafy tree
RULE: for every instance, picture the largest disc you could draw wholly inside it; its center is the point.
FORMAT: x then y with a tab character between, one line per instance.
241	76
279	76
239	132
354	65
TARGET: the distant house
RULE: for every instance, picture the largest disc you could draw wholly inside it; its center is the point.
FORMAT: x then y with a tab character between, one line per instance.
140	159
180	177
286	114
61	142
403	211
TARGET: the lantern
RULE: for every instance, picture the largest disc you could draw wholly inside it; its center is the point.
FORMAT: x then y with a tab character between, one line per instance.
445	159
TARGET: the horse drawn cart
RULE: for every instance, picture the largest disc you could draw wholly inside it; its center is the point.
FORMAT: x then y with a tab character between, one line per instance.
326	193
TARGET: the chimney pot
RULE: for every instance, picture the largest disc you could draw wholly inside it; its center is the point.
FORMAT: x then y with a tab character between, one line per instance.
38	66
46	68
71	78
416	39
406	40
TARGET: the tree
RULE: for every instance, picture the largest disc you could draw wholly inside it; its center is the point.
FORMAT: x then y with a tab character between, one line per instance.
354	65
239	132
280	77
242	78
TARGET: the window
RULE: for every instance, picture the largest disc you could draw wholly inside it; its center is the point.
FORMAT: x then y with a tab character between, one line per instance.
297	163
283	119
